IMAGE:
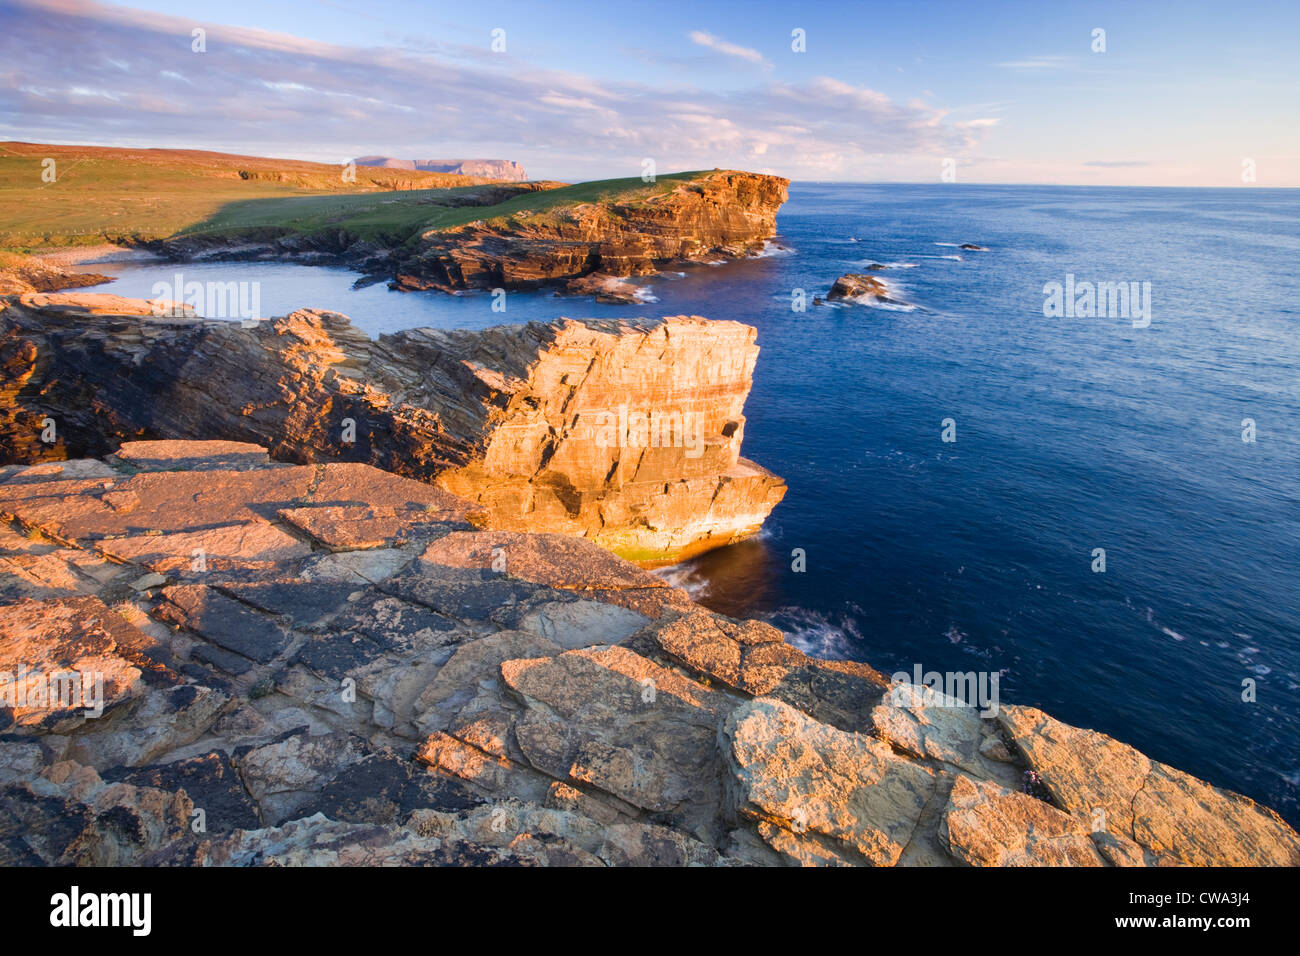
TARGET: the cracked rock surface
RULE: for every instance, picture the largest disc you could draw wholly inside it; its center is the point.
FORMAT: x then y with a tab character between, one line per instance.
328	664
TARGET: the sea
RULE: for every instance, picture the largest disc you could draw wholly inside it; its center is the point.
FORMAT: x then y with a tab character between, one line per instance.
1099	505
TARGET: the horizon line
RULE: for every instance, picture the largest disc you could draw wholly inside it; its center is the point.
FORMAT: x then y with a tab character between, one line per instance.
847	182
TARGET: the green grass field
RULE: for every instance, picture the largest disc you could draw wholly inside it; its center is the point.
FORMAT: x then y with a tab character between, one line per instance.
121	195
105	195
404	216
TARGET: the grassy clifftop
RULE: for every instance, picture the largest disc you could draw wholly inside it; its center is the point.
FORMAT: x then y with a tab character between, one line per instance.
407	215
107	194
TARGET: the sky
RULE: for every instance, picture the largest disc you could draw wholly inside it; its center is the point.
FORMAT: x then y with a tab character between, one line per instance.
1170	94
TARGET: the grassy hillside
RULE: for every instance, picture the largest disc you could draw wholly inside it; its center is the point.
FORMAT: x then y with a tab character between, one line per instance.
106	194
402	216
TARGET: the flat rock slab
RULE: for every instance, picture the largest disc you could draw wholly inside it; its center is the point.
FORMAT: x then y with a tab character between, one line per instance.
1172	815
163	501
358	485
304	603
63	662
560	562
577	624
223	621
552	559
613	720
382	788
192	455
349	527
392	623
248	546
55	471
834	794
210	781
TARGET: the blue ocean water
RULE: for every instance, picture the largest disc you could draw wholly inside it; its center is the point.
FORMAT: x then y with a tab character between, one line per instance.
1073	434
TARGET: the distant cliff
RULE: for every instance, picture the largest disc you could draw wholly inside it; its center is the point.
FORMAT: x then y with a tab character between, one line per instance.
491	168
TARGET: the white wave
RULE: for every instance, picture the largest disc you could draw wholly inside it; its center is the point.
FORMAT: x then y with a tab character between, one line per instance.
770	250
816	634
875	303
950	258
952	244
684	576
1174	634
643	294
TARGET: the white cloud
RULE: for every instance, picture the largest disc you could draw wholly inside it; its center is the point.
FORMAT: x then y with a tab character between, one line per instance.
700	38
272	95
1050	62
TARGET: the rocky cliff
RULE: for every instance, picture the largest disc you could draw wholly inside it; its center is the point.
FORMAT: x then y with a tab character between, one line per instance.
579	239
273	664
625	433
722	213
490	168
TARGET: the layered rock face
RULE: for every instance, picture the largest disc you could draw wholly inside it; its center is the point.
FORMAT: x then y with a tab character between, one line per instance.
724	213
491	168
327	664
626	433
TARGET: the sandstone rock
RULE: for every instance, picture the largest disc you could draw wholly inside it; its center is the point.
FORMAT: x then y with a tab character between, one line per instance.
722	213
613	720
252	545
569	710
626	433
70	817
930	725
1172	815
187	455
832	794
283	776
223	621
64	662
988	825
753	657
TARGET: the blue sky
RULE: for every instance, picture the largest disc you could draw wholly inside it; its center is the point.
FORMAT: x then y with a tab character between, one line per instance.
1008	92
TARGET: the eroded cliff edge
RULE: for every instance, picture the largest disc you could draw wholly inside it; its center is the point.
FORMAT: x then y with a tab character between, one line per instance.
528	236
327	664
628	433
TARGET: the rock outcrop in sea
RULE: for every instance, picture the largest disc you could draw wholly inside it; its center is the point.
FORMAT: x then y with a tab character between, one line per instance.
628	433
280	664
859	287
